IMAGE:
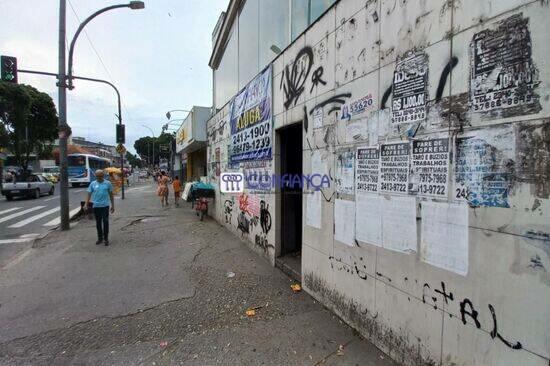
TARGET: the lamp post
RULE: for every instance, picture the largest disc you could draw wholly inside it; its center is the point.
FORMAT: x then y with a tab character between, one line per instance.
169	113
153	135
64	129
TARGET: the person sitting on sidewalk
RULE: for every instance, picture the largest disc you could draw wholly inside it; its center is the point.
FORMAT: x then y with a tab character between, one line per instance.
177	189
100	192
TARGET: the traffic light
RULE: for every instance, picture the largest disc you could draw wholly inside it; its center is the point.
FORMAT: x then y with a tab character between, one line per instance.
120	138
9	69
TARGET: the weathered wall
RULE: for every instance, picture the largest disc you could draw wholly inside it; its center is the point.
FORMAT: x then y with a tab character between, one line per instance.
448	263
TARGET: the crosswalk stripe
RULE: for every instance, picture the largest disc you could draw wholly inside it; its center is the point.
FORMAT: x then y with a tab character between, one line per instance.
20	213
16	240
57	220
9	210
34	218
49	199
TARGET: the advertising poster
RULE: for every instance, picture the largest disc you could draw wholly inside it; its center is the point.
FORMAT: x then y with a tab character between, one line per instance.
484	166
394	168
368	219
314	210
251	120
410	89
399	224
430	167
503	74
367	170
345	172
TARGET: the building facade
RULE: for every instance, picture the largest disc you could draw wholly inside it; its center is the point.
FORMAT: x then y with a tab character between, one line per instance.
190	162
420	131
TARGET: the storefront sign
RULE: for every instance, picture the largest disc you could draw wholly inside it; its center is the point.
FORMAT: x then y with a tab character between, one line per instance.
250	120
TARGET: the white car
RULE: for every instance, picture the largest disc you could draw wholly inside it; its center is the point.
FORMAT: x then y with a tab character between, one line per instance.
34	186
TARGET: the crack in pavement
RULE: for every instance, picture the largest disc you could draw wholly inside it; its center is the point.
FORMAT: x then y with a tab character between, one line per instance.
117	317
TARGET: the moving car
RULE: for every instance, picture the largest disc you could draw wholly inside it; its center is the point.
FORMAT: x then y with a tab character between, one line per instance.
33	186
51	173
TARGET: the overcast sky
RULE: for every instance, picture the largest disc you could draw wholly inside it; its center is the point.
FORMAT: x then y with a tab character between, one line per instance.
157	57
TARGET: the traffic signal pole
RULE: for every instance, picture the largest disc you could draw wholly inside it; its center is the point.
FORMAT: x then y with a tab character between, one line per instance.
64	130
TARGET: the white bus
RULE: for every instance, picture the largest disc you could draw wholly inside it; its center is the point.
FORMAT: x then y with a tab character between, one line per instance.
82	168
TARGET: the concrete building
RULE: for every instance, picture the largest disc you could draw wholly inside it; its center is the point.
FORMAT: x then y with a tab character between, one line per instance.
430	120
190	159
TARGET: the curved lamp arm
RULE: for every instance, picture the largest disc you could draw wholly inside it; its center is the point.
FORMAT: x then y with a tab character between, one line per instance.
132	5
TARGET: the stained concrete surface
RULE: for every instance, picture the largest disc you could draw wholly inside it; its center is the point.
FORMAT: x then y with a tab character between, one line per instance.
161	295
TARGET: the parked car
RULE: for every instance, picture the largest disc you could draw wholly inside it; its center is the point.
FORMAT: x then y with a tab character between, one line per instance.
33	186
51	173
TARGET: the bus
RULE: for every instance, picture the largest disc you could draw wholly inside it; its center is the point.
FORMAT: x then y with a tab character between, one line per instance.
82	168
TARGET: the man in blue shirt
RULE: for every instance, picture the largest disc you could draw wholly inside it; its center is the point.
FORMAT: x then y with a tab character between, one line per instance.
100	192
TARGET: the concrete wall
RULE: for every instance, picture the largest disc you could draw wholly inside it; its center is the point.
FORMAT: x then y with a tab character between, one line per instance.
451	272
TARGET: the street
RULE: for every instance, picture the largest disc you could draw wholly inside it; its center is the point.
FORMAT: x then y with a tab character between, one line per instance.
24	219
169	289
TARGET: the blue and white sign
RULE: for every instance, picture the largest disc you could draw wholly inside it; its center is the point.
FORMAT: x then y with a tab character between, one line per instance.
251	120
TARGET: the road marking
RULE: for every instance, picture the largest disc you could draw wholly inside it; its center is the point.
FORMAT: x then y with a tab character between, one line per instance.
49	199
79	190
20	213
33	218
16	240
29	235
57	220
9	210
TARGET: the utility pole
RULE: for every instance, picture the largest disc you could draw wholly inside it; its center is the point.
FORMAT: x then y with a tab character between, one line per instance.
64	130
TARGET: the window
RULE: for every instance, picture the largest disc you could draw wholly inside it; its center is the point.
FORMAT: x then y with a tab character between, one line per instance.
248	42
299	17
76	161
318	7
226	75
274	23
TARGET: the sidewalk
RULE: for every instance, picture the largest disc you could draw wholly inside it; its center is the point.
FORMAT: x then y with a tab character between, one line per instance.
169	290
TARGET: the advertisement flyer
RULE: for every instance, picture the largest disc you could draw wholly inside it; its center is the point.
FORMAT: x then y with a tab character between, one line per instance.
410	89
367	170
394	168
251	120
430	167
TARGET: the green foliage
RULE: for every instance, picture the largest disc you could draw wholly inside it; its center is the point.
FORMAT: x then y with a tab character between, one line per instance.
144	146
28	121
134	160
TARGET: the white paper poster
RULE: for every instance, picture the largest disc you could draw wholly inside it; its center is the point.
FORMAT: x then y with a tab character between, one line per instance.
344	222
345	172
430	167
318	166
314	210
367	169
318	118
399	224
368	219
394	168
444	242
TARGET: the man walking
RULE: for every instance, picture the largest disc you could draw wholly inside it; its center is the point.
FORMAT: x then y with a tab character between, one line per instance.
100	192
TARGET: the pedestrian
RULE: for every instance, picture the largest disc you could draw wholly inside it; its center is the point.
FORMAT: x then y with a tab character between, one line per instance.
177	189
100	192
162	189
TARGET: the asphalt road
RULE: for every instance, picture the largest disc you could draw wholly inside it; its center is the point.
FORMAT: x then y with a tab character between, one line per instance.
24	219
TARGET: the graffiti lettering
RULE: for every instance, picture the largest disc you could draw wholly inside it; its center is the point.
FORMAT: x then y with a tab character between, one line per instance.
295	78
472	313
316	78
444	76
338	99
495	333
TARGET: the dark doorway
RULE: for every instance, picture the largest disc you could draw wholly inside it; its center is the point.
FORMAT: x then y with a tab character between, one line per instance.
290	139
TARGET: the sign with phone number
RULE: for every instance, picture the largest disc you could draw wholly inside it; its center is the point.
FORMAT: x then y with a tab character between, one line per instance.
251	120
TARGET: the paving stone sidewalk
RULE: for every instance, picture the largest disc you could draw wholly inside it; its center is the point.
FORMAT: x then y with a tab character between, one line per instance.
170	290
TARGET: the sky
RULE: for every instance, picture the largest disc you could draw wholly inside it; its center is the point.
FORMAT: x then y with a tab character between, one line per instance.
157	57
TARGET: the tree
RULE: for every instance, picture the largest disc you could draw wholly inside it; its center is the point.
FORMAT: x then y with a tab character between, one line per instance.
144	147
134	160
29	121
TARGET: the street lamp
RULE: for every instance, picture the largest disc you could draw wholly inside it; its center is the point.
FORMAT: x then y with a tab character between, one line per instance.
64	129
169	113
